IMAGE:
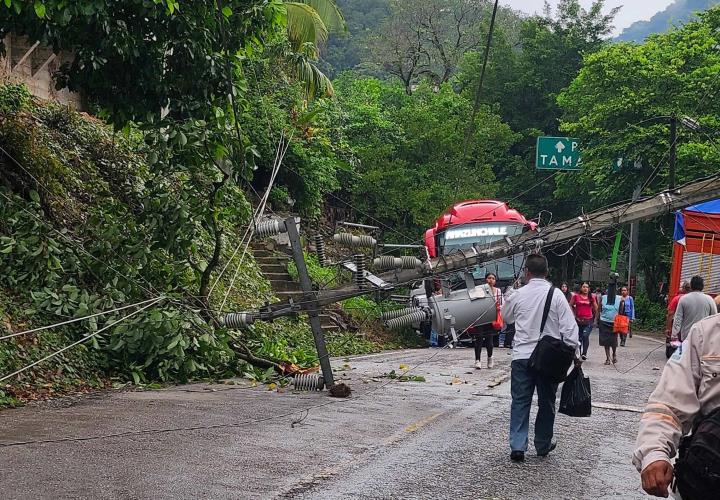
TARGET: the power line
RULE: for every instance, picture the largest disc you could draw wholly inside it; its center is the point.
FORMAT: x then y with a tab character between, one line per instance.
84	339
222	426
75	320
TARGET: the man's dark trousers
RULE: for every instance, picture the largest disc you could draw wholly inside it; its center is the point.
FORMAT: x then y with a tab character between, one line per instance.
523	382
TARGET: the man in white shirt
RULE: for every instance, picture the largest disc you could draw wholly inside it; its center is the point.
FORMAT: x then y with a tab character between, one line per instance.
525	308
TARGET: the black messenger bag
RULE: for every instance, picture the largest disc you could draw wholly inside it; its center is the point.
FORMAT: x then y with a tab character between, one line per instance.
552	357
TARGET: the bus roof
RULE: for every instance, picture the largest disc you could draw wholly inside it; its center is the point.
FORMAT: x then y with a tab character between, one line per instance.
469	211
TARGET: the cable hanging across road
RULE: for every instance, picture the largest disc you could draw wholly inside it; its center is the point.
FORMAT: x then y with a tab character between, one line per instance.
84	339
227	425
83	318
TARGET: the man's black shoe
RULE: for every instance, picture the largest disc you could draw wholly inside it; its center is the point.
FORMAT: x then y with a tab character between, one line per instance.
552	447
517	456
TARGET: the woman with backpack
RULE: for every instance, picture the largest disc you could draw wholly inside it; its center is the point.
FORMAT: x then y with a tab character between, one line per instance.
585	309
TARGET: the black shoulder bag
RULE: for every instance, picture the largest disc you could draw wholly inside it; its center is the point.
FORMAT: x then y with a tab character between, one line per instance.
552	357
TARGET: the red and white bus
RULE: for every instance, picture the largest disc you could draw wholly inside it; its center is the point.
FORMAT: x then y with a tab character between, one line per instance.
478	223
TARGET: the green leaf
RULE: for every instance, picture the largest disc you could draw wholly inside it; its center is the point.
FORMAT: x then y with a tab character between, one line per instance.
39	8
8	3
174	342
34	196
227	11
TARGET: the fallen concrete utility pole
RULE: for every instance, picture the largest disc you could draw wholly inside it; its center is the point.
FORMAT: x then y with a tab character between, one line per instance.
588	224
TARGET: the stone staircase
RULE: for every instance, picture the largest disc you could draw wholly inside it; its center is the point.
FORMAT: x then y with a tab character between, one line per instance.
273	263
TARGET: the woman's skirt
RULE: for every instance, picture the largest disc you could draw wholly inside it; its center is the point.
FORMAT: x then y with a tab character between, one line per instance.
607	337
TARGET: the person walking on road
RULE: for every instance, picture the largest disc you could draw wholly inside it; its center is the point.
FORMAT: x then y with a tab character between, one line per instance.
524	307
688	393
598	295
628	306
486	333
585	309
671	308
565	289
691	308
609	308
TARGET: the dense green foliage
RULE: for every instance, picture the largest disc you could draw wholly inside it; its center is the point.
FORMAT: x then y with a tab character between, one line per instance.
98	234
619	106
411	149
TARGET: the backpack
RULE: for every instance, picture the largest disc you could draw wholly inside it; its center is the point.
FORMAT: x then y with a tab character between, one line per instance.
697	470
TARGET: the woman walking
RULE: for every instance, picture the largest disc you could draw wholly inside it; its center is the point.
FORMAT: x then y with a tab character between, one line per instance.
565	289
585	309
485	334
628	306
610	307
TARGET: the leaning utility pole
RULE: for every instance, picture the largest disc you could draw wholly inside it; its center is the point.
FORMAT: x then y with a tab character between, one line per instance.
311	305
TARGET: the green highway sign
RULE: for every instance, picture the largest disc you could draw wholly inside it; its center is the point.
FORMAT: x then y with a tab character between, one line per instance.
558	153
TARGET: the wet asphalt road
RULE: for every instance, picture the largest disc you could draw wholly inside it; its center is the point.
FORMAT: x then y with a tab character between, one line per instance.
442	438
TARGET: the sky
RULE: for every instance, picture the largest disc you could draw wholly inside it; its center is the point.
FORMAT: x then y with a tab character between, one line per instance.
632	10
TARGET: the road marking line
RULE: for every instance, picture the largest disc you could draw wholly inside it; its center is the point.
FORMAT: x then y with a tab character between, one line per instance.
399	436
421	423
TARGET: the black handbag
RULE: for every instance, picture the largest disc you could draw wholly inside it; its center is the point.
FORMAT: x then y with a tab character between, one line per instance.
552	357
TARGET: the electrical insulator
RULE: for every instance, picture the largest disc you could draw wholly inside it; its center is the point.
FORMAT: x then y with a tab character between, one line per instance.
387	315
237	320
320	249
359	270
267	228
387	262
308	382
352	241
408	320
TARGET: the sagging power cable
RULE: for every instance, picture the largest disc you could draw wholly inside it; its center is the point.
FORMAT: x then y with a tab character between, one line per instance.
232	424
75	320
84	339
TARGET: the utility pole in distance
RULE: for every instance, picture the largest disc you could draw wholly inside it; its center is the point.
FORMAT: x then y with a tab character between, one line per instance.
634	248
673	152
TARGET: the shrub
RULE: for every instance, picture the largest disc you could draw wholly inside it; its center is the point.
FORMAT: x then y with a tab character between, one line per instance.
14	97
649	315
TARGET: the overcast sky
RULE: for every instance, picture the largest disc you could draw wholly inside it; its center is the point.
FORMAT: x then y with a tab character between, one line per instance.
632	10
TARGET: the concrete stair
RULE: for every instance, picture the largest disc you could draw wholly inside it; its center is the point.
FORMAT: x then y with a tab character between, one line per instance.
274	266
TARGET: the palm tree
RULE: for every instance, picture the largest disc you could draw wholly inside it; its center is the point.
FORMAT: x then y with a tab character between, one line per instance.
309	22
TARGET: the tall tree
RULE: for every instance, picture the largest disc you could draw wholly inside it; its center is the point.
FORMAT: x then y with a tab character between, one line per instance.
309	23
171	68
619	106
427	38
526	72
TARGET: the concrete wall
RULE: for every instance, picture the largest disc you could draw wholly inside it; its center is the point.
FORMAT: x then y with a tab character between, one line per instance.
34	65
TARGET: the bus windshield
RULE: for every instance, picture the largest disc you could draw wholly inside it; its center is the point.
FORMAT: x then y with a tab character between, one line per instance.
463	237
